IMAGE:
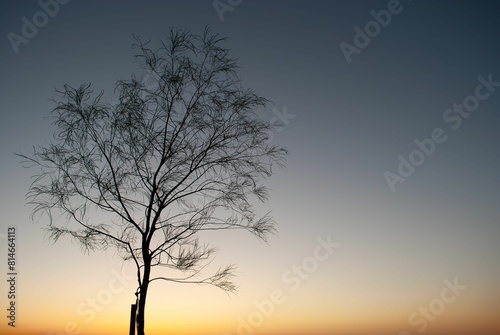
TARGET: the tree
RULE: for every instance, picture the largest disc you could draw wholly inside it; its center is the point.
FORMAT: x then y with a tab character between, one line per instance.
163	164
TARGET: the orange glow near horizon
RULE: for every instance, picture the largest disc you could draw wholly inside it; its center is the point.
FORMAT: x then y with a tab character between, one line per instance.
457	319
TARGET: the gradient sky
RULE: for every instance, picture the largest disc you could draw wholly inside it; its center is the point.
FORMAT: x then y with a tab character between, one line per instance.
352	122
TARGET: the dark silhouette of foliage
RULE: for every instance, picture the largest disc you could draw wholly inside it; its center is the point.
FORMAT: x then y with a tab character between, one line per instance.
166	162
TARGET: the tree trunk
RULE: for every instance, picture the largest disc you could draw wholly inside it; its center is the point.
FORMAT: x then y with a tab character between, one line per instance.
141	308
141	304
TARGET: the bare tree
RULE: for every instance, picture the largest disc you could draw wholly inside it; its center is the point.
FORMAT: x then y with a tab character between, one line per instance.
167	162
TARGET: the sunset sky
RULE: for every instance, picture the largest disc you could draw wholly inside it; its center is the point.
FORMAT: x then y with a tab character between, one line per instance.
368	242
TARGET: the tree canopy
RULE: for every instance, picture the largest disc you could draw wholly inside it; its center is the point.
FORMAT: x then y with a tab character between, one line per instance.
167	161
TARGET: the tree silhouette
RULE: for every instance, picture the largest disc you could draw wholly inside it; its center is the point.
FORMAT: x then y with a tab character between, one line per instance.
166	162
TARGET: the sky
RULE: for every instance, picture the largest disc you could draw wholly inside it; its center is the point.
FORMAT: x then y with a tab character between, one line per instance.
387	211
